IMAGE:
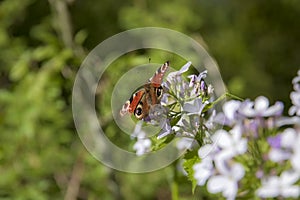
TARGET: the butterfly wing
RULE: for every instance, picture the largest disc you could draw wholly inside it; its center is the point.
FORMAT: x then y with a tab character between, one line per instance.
154	89
150	94
131	104
157	78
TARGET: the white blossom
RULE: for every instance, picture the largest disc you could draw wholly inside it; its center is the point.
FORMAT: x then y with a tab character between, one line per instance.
143	144
194	106
227	182
229	116
203	170
282	185
185	143
232	141
295	109
260	108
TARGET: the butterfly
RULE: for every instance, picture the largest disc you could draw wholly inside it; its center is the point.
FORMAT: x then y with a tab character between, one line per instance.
148	95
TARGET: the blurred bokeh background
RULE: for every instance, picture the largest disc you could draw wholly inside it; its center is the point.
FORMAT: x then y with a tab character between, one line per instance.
42	44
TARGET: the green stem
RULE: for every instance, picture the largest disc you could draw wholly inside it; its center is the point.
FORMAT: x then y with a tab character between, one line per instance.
233	96
62	17
174	190
174	185
227	95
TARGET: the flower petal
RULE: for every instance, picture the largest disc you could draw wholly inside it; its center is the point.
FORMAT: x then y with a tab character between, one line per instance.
221	161
230	108
241	146
261	104
237	171
275	141
194	106
275	110
277	155
289	177
203	170
205	150
288	138
224	139
291	191
217	184
295	161
267	191
185	143
270	187
138	132
246	108
185	67
142	146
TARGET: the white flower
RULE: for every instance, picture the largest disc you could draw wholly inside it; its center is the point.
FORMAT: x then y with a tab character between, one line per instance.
183	69
194	106
174	78
210	123
295	158
287	147
208	150
203	170
188	125
230	108
198	84
278	155
229	115
296	82
196	79
289	138
231	142
176	84
138	132
142	146
260	108
227	182
185	143
166	130
281	145
275	186
295	109
283	121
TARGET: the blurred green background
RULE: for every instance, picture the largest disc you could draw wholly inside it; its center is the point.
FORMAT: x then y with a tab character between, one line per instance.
42	44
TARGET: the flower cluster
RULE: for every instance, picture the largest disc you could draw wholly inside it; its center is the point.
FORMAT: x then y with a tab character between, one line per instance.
251	115
187	102
254	122
250	122
285	152
256	153
284	147
218	165
183	109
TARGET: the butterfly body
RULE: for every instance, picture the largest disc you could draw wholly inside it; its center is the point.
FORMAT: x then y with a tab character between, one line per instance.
150	94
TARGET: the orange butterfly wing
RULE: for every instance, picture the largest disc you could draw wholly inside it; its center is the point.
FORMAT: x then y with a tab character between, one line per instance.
142	96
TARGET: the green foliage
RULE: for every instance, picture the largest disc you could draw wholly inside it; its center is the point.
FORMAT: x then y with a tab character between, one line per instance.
190	159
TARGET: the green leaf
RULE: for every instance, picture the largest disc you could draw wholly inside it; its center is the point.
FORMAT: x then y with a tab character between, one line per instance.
21	67
160	143
190	159
80	37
